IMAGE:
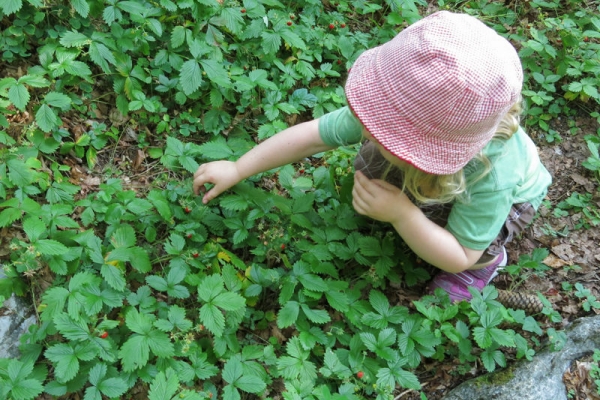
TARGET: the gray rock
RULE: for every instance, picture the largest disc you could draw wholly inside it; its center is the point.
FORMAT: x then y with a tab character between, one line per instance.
16	316
539	379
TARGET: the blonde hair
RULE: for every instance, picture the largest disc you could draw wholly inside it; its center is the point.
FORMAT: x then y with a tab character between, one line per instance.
430	189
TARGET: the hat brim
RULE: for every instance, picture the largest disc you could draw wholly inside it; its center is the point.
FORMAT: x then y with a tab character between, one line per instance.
409	143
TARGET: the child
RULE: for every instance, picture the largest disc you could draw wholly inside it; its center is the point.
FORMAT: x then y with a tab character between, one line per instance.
445	161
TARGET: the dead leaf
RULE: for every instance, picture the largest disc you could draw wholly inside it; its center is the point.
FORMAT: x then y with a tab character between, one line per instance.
138	160
555	262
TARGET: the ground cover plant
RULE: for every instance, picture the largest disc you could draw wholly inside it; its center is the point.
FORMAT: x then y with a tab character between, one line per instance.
277	289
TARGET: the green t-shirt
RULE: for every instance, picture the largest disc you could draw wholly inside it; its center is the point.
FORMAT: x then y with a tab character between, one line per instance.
516	176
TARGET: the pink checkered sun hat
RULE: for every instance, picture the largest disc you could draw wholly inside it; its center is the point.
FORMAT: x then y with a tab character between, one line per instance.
435	94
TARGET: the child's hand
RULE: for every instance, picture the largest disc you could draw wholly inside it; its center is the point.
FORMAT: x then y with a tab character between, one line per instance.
223	174
378	199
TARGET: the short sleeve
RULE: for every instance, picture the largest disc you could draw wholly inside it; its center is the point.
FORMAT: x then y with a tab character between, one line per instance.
340	128
477	222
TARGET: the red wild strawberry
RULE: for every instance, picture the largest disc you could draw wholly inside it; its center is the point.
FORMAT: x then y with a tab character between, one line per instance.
283	247
187	210
342	25
339	62
360	374
289	23
189	235
301	171
195	255
104	335
243	10
331	26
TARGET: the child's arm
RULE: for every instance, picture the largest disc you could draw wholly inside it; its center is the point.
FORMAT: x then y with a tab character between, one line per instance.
290	145
431	242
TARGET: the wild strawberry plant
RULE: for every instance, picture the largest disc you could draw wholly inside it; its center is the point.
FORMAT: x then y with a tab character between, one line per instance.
282	291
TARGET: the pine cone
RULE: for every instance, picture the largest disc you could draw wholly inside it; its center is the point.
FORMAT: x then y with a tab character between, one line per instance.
527	302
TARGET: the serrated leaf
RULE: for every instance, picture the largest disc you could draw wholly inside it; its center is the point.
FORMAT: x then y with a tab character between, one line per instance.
251	384
316	316
177	36
8	216
134	353
66	363
288	314
11	6
229	301
164	385
234	202
271	42
50	247
213	319
71	329
313	282
160	344
124	236
140	259
46	118
216	149
158	283
19	96
59	100
191	76
113	276
34	227
74	39
113	387
216	73
26	389
102	56
82	7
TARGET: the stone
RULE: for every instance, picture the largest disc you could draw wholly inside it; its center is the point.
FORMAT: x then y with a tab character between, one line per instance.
16	316
539	379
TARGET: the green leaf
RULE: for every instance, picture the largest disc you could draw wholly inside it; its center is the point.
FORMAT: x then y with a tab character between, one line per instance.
288	314
229	301
216	73
102	56
11	6
139	259
8	216
160	344
59	100
113	387
50	247
74	39
66	363
216	149
213	319
271	42
123	237
138	322
316	316
164	385
46	118
158	283
177	36
81	6
71	329
134	353
190	76
19	172
19	96
113	276
251	384
97	372
232	370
